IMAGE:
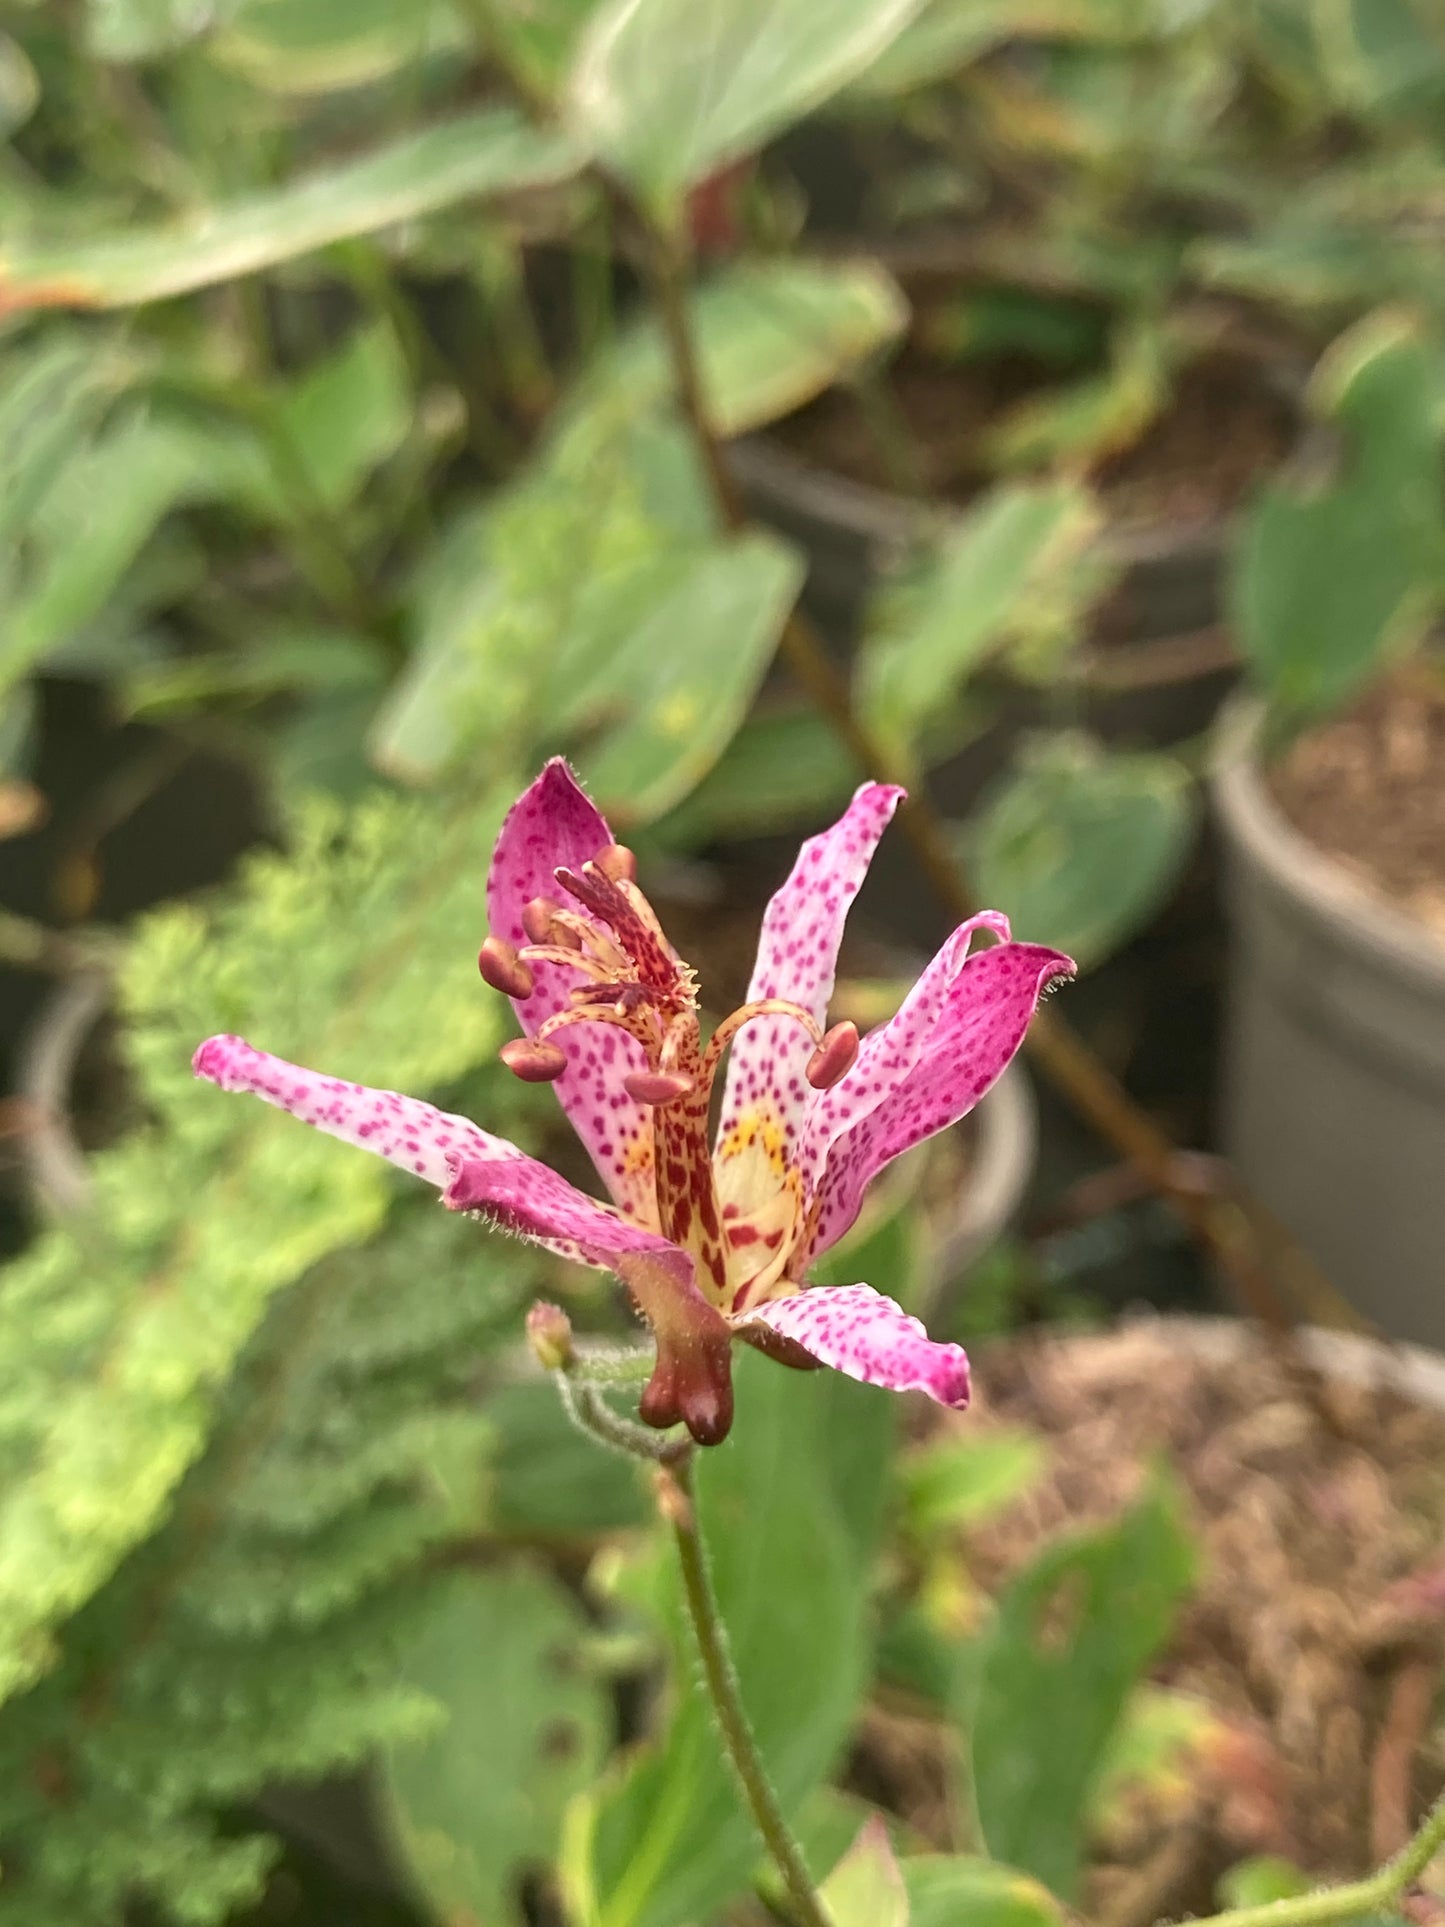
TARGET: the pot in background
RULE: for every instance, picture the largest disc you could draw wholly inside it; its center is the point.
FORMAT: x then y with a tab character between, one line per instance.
1334	1078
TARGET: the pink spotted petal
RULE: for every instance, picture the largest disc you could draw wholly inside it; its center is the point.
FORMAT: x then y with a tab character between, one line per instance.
797	958
888	1053
858	1331
415	1136
692	1380
551	825
925	1077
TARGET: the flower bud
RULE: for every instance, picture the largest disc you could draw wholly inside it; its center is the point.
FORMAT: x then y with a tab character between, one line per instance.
549	1333
657	1087
834	1058
534	1062
504	970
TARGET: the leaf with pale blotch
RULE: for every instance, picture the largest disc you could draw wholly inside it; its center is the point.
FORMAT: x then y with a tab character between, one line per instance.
1330	583
1018	571
491	151
320	46
670	90
1079	845
682	680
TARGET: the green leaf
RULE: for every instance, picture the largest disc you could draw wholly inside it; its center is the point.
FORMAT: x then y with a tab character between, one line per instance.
960	1480
866	1887
1329	585
126	30
670	90
320	46
482	1799
685	676
1079	845
1091	419
947	1889
778	770
529	591
491	151
769	335
1016	571
597	579
1158	1747
538	38
1072	1634
790	1506
55	391
1261	1879
99	512
547	1478
284	658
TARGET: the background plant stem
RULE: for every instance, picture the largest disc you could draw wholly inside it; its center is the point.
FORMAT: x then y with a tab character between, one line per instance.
1225	1224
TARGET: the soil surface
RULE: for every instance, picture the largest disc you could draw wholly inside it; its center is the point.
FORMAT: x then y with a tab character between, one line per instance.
1317	1625
1369	788
1224	429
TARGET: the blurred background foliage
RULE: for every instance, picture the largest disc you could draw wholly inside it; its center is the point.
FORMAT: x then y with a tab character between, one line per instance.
340	462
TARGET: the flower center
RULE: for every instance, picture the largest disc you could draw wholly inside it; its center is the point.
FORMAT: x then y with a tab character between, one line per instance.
634	979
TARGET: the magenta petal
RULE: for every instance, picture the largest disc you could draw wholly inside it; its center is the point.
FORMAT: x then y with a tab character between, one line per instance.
692	1379
415	1136
797	958
554	825
928	1068
858	1331
522	1195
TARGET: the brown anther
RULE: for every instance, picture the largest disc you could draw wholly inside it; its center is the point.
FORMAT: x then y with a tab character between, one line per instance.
834	1058
533	1062
617	862
504	970
657	1087
541	921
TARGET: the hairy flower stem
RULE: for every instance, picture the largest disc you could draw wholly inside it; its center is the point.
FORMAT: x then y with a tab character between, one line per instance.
1229	1226
591	1413
673	1459
1356	1897
722	1685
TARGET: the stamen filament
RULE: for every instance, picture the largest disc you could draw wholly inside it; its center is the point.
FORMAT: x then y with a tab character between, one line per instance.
728	1029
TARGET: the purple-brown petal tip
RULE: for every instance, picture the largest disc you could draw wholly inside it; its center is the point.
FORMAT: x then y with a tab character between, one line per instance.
532	1061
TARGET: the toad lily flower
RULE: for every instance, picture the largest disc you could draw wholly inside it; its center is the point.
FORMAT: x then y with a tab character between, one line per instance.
713	1240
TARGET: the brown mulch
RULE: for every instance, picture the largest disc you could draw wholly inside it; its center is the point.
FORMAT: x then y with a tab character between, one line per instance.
1320	1510
1369	788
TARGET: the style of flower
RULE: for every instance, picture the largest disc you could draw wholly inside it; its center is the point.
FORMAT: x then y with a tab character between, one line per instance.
713	1239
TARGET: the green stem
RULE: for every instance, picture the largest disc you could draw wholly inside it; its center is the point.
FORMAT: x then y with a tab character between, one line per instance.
1355	1897
591	1413
722	1685
609	1366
